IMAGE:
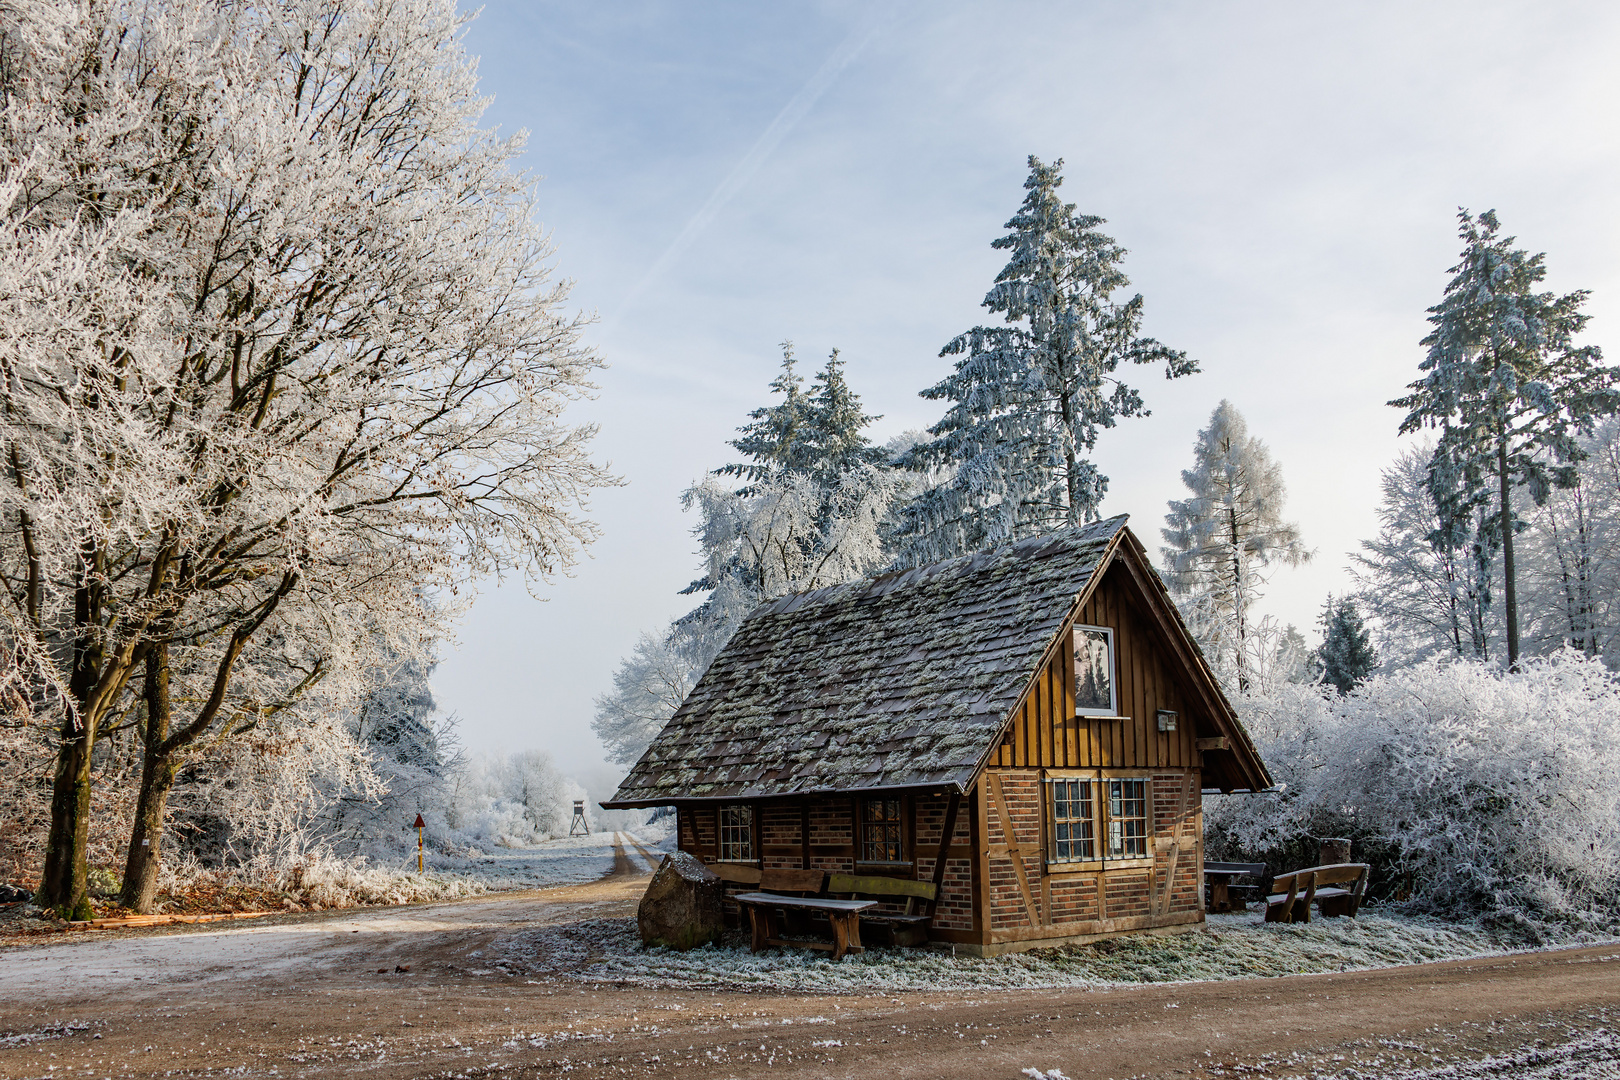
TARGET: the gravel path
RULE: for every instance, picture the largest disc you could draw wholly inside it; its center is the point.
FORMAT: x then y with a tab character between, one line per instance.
330	995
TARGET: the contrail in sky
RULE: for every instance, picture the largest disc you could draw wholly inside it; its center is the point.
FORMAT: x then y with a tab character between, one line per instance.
738	178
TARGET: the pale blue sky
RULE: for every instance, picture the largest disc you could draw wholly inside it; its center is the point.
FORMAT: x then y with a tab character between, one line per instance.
1284	176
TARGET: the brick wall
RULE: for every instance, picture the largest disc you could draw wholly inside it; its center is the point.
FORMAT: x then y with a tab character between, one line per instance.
779	827
953	909
1168	812
1074	899
831	825
1021	791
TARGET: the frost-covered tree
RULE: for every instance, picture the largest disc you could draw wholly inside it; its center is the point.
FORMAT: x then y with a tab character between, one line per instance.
1346	656
1509	391
1570	568
1425	596
287	356
815	509
1489	791
1029	398
648	687
1221	539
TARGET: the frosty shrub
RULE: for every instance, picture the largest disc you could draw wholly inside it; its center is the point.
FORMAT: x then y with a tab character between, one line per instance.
1481	790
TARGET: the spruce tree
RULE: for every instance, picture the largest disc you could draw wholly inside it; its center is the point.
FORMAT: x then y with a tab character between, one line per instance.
1509	392
1029	398
1346	655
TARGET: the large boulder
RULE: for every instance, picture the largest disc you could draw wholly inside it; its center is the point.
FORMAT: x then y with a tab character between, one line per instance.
681	909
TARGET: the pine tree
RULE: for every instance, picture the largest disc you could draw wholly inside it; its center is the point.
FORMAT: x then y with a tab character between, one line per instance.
1030	397
777	436
1346	655
815	510
1223	536
1507	388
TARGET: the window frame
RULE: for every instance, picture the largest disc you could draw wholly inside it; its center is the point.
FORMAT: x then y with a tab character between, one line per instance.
1113	670
1053	855
1110	820
898	823
1101	819
751	826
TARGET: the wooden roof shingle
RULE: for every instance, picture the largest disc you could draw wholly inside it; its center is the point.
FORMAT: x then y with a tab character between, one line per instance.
903	680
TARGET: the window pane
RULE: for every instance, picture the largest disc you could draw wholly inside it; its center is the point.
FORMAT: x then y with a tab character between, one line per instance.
736	834
1093	671
1127	818
881	825
1072	823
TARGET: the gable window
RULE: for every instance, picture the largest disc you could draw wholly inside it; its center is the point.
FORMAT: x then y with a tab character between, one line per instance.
737	833
1096	691
881	832
1074	832
1127	819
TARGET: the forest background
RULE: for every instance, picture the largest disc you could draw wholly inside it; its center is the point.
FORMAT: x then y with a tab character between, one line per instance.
1308	356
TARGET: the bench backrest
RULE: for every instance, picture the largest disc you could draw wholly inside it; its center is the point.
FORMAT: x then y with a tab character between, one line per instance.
792	881
1256	870
881	886
1336	874
741	873
875	887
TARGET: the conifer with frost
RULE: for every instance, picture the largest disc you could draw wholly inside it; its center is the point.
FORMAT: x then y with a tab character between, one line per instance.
1509	391
1346	655
1223	536
1029	398
1426	596
814	510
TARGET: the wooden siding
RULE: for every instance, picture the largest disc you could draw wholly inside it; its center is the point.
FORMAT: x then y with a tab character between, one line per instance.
1045	733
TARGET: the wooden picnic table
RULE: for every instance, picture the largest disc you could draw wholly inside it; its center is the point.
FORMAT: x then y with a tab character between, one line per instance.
1222	878
764	913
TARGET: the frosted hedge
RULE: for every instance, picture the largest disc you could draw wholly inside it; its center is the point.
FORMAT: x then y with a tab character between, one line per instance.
1479	790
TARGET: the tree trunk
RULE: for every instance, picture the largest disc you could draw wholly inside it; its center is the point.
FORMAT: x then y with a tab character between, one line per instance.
157	778
1510	594
64	881
1238	604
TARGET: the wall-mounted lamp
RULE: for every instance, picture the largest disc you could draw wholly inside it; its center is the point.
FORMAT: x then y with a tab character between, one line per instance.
1167	720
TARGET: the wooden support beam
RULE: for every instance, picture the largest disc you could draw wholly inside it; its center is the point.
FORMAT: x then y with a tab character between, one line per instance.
1030	907
1217	743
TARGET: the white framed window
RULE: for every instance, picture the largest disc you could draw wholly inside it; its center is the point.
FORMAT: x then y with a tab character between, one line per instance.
737	833
1096	688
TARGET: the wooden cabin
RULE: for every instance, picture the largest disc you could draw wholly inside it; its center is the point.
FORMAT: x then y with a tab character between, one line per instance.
1031	729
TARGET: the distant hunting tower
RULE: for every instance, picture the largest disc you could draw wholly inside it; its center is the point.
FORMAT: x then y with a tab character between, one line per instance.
579	827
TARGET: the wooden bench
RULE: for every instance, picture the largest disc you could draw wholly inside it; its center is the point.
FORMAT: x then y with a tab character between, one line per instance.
909	927
1221	881
1336	889
766	909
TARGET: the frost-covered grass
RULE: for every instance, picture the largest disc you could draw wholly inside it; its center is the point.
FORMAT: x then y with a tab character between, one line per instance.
1227	947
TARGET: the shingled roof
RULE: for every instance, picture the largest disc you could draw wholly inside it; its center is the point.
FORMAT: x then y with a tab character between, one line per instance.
903	680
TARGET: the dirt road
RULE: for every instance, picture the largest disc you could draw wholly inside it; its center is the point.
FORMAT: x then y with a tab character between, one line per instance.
324	996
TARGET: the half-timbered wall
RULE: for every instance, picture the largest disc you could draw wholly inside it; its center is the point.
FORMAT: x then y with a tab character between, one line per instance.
1049	900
